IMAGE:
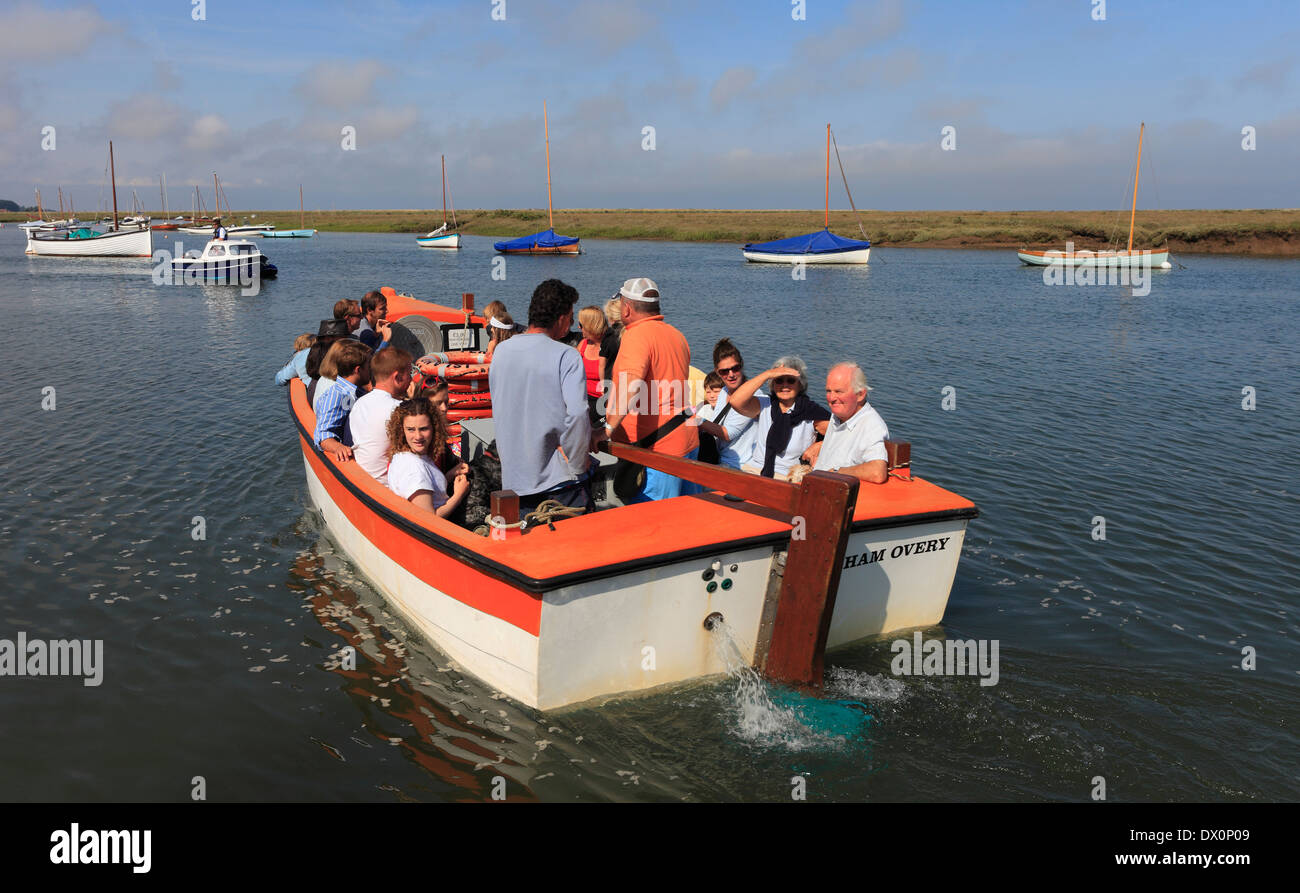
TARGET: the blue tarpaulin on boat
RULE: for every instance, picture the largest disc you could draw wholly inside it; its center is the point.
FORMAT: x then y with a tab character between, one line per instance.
545	239
823	242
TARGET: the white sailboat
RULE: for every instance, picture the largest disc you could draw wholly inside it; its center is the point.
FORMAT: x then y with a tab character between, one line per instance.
86	242
1147	259
442	237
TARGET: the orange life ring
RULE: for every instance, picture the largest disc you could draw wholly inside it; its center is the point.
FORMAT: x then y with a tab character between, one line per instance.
467	387
456	415
459	357
479	400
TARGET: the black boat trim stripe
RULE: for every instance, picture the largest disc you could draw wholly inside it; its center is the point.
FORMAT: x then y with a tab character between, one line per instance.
541	585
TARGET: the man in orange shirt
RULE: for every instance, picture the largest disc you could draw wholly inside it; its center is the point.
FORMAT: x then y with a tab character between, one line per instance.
651	389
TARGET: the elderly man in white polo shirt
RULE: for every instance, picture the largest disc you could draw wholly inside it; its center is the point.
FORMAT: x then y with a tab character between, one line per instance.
855	439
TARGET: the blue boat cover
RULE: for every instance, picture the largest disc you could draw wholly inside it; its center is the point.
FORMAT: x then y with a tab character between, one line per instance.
824	242
545	239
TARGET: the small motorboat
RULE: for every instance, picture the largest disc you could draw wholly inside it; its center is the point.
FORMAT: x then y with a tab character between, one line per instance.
227	262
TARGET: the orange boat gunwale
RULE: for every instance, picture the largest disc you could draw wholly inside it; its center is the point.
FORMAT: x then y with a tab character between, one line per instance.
536	585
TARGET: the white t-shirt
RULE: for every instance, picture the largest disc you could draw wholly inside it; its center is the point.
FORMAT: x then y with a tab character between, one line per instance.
409	473
861	439
741	432
322	385
801	438
368	425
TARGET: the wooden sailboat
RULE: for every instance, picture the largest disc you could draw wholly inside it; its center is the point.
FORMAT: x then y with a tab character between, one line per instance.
442	237
1127	259
545	242
85	242
303	233
822	247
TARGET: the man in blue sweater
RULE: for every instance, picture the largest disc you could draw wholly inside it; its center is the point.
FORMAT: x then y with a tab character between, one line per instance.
539	404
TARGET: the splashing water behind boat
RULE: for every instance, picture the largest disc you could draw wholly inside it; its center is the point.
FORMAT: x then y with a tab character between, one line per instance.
768	715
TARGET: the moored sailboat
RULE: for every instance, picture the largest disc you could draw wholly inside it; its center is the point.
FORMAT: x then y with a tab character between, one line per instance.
442	237
1157	258
545	242
303	233
822	247
87	242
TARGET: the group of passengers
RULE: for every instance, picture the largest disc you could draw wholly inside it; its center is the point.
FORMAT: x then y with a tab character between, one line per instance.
557	395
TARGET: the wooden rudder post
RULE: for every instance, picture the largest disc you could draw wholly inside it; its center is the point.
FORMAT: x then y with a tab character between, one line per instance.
820	533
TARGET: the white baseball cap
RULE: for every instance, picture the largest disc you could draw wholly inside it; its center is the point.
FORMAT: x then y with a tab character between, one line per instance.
640	289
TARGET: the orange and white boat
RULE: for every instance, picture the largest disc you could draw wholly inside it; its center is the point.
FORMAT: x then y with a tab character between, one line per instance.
618	601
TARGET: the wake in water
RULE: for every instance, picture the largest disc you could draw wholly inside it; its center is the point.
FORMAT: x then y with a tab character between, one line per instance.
767	715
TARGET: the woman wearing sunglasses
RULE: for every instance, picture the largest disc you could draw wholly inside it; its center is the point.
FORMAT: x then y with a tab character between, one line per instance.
789	426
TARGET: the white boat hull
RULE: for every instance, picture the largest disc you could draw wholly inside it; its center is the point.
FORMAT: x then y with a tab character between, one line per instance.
1120	260
589	640
856	256
131	243
451	241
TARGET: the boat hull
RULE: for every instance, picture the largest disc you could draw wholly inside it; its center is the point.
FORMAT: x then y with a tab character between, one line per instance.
562	617
856	256
1148	259
132	243
287	234
561	249
451	240
242	270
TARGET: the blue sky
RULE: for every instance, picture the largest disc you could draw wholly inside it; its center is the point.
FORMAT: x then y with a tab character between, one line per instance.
1045	101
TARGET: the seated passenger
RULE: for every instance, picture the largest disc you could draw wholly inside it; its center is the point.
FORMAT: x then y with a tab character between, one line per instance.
390	372
417	438
352	359
501	327
735	433
373	332
855	441
330	331
297	365
591	320
789	427
705	415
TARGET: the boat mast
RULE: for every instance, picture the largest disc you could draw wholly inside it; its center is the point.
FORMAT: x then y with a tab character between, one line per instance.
302	215
546	129
828	176
444	192
1137	172
216	194
61	203
113	174
164	195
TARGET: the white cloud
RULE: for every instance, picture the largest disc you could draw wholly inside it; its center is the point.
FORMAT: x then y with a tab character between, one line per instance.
28	31
341	85
207	133
732	83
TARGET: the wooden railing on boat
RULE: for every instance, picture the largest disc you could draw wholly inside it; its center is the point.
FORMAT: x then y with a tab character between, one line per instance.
797	615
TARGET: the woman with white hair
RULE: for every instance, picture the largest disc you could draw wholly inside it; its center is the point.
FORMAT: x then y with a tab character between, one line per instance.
789	426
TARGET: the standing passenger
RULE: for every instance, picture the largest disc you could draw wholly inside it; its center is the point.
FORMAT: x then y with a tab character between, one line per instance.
651	387
540	407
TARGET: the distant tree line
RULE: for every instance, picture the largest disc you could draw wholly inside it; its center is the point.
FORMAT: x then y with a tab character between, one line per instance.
6	205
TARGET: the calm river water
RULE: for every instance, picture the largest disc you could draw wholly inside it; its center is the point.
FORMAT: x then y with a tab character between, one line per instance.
1121	658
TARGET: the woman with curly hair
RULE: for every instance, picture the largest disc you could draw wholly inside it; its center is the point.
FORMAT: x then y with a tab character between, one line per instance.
417	438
